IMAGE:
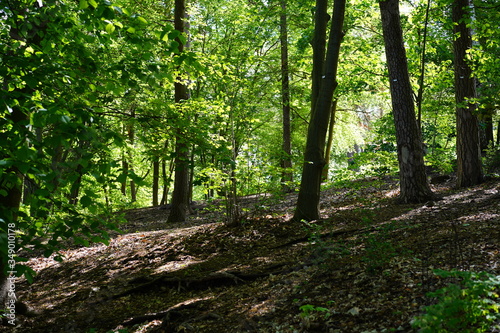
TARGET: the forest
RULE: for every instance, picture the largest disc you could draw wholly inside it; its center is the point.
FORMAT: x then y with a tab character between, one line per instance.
249	166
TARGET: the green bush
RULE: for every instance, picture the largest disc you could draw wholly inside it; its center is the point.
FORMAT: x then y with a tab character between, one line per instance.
492	159
469	306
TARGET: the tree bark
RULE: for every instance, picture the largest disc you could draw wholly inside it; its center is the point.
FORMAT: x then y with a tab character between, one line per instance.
156	180
309	194
180	194
321	19
286	160
329	141
414	186
421	78
131	137
469	168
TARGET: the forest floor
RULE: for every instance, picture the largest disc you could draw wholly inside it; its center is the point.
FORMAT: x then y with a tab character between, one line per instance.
365	267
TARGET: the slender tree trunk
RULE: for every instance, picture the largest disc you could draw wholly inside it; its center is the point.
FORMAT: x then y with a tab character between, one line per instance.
421	78
469	168
286	160
156	180
309	194
167	179
180	195
123	186
233	213
131	138
191	180
329	142
414	186
321	19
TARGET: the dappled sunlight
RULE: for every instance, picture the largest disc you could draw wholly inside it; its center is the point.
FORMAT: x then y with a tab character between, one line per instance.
173	266
215	278
479	217
262	308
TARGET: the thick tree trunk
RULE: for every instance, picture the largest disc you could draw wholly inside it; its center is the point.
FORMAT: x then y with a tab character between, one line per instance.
469	168
414	186
180	195
286	160
309	194
178	210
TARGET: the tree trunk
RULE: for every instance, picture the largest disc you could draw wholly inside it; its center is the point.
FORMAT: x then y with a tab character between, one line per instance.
180	195
321	18
123	186
309	194
421	78
156	180
329	142
131	137
469	168
286	160
414	186
167	179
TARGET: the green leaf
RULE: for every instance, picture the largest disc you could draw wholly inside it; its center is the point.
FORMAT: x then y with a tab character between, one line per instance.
85	201
110	28
6	163
27	271
83	4
65	119
93	3
173	34
142	20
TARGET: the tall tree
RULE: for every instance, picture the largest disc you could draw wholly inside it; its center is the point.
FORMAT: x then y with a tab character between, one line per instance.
286	160
414	186
469	168
314	160
180	195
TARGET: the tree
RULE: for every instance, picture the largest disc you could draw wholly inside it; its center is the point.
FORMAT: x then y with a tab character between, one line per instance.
286	160
61	79
484	56
469	168
414	186
180	196
314	161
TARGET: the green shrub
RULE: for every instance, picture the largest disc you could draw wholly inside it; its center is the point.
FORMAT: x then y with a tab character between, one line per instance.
469	306
442	160
492	159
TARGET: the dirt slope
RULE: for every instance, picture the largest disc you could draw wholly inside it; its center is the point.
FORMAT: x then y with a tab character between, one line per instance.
365	267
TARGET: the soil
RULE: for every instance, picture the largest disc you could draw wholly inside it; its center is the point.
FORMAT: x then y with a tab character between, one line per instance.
366	266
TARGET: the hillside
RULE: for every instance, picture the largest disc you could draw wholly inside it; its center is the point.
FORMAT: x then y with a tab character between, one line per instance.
365	267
